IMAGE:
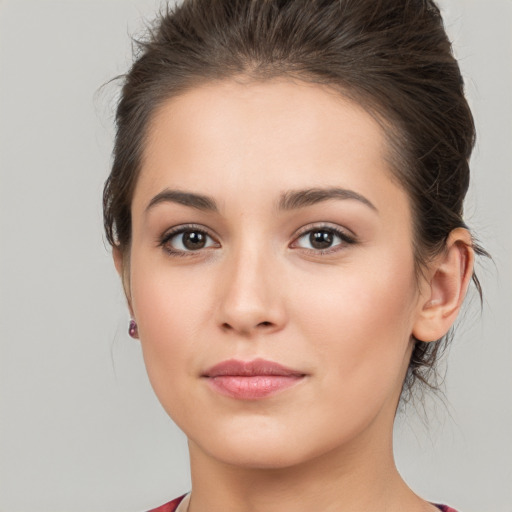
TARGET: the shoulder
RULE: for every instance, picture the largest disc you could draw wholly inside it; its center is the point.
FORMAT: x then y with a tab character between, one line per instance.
169	507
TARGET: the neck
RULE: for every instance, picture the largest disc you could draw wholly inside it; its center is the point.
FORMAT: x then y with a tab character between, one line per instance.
362	477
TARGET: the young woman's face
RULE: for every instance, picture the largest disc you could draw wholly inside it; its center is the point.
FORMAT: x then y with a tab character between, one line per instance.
267	230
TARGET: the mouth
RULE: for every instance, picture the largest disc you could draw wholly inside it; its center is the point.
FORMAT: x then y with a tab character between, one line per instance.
251	380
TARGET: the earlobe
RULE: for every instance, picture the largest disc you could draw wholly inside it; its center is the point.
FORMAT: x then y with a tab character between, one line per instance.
450	275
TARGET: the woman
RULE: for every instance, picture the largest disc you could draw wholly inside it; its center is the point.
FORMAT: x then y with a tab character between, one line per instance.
285	210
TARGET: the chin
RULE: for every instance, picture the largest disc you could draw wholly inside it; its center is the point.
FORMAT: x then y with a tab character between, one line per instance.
264	455
268	445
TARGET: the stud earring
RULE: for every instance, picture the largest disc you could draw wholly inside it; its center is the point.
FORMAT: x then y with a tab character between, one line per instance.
132	329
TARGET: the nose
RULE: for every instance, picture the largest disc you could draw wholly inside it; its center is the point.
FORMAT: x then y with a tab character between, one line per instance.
251	294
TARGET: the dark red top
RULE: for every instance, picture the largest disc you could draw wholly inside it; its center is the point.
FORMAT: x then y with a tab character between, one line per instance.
173	505
168	507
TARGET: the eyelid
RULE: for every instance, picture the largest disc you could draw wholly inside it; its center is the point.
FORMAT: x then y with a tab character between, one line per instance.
344	232
182	228
346	236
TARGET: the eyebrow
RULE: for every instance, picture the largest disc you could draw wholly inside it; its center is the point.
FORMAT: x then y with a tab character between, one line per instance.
290	200
190	199
301	198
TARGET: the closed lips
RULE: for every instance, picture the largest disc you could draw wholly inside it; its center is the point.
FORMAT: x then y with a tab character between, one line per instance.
251	380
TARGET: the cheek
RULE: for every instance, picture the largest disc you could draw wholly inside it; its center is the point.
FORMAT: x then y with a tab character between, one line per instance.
171	311
361	319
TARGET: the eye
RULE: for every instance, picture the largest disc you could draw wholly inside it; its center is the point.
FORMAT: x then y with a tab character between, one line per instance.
323	239
186	240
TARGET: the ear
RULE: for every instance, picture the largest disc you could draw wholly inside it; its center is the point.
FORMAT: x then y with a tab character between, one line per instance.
450	274
122	265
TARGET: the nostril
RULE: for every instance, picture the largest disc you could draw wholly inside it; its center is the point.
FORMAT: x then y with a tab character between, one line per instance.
226	327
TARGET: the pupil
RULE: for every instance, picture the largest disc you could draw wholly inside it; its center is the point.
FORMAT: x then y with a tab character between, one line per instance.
194	240
321	239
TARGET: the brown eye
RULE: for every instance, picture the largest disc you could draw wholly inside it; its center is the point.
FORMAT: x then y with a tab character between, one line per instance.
194	240
321	239
187	240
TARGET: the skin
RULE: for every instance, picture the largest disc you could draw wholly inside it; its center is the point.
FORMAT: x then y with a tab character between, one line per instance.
258	289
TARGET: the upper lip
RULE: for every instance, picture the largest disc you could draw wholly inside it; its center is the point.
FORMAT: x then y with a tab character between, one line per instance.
252	368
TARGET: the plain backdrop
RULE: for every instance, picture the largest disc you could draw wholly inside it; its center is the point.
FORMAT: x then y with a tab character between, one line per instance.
80	429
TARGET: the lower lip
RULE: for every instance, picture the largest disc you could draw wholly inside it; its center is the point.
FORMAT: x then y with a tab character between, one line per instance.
252	387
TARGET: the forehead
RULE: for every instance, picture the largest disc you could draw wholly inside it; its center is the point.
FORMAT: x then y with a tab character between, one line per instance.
224	137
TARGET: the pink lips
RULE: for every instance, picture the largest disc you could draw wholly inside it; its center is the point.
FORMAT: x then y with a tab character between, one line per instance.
251	380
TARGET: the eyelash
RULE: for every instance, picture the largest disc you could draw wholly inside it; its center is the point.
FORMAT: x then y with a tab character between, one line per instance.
345	238
169	235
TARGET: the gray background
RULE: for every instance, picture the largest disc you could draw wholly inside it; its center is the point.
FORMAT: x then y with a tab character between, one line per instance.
80	429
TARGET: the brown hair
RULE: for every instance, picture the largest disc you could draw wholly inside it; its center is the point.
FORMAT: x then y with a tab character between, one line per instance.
391	56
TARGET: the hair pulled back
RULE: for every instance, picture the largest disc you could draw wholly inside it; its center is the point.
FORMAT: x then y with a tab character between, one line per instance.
392	57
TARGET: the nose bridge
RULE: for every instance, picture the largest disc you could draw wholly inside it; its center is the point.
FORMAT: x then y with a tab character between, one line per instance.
250	297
